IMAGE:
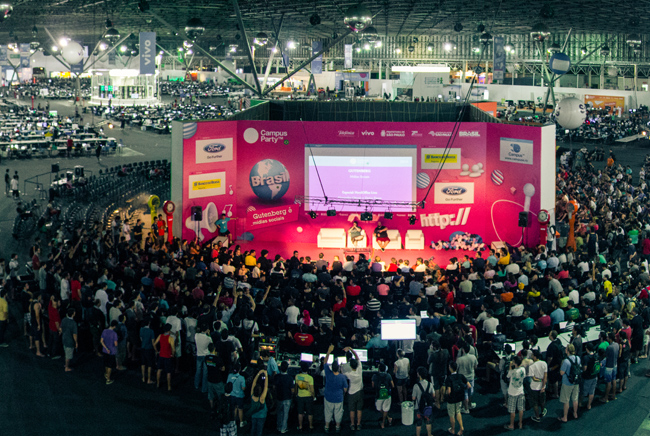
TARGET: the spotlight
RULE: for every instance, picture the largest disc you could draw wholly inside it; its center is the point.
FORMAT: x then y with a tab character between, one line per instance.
112	35
539	32
486	38
358	49
388	215
54	48
194	28
366	216
584	50
63	42
366	45
358	18
261	39
110	125
123	48
447	46
398	50
312	214
331	212
378	44
291	45
429	47
103	46
412	219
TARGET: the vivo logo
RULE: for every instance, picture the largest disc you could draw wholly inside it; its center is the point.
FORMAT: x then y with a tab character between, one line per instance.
214	148
453	190
367	133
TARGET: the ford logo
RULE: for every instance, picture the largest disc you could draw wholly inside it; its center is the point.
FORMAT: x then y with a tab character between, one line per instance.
454	190
214	148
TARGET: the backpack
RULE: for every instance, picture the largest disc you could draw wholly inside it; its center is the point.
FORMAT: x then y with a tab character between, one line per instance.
506	366
575	373
426	400
384	391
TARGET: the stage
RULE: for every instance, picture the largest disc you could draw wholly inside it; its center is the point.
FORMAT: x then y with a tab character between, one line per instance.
286	249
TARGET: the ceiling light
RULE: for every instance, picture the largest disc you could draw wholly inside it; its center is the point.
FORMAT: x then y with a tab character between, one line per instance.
447	46
539	32
476	50
190	52
508	48
103	46
194	28
398	50
6	10
64	41
291	45
274	50
366	45
422	68
112	35
584	50
378	44
261	39
633	39
430	46
554	48
358	49
123	48
54	48
233	49
358	18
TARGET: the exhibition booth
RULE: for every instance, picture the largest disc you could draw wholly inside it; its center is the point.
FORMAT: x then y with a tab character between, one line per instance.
274	177
124	88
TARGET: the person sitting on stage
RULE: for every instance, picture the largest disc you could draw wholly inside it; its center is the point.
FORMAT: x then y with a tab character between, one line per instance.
381	234
355	233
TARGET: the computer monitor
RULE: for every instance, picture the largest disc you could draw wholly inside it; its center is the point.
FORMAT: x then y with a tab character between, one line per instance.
330	360
363	355
563	325
306	357
398	329
514	347
341	360
424	314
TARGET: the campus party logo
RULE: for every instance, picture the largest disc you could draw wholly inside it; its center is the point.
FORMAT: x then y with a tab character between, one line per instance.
515	148
453	190
214	148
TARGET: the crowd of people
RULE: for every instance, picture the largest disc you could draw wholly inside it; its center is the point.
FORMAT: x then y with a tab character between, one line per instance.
139	301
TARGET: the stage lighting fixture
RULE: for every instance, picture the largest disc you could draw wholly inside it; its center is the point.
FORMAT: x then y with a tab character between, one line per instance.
312	214
366	216
423	203
584	50
388	215
331	212
412	219
109	23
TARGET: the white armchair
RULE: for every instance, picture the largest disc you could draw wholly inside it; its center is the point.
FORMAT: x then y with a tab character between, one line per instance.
360	244
331	238
414	240
395	240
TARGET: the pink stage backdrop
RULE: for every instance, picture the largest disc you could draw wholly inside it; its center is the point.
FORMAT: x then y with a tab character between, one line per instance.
254	170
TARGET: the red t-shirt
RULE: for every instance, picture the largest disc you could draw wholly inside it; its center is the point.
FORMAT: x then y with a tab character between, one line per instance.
159	283
353	291
161	227
303	339
339	306
544	321
75	290
646	246
54	317
198	294
36	263
392	268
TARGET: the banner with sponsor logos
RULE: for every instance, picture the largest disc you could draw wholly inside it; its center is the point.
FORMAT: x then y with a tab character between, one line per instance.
499	65
260	172
317	64
147	52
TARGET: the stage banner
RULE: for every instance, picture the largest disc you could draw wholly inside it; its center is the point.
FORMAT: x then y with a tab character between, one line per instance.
24	55
285	60
147	52
347	64
274	216
499	68
317	64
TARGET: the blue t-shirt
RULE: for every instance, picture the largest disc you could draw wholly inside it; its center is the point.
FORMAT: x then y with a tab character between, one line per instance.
272	367
334	385
147	336
566	367
557	316
261	413
238	385
110	337
222	224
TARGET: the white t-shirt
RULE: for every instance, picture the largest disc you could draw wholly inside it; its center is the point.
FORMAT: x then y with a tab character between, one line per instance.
490	325
175	322
574	296
537	371
355	378
292	314
516	385
202	341
431	290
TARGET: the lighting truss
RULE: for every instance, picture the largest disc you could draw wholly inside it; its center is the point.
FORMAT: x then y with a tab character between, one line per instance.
370	204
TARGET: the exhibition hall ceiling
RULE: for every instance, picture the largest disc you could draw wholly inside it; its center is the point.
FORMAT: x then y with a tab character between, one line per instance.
84	20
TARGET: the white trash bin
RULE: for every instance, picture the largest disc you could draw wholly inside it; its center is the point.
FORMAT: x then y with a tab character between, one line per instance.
407	413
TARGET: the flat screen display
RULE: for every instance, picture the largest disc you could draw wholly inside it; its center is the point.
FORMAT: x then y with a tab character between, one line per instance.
363	355
330	360
398	329
306	357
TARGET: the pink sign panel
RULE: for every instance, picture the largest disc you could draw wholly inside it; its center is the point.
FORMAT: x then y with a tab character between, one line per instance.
274	216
